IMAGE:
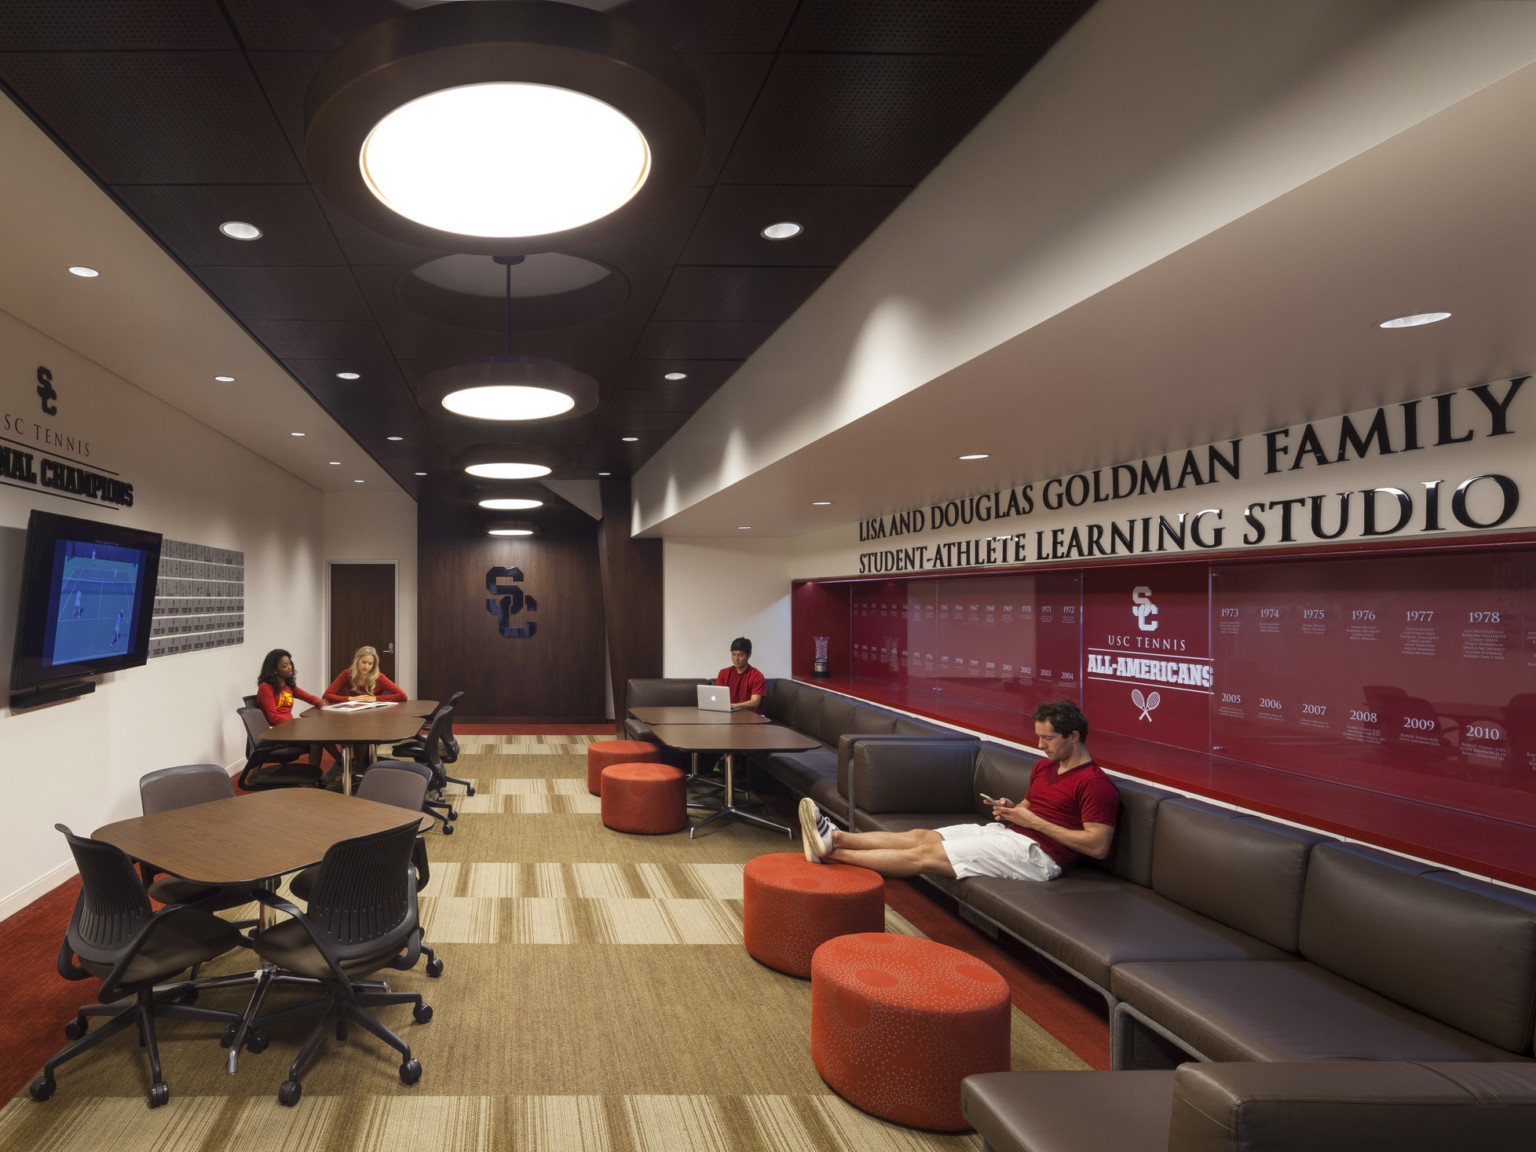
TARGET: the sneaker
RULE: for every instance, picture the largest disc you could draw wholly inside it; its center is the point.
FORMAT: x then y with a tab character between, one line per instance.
815	831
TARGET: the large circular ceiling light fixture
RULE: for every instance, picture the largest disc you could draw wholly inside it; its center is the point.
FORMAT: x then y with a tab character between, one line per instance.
504	126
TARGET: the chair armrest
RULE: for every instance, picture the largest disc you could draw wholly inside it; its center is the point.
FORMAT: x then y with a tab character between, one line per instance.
912	774
1347	1106
849	740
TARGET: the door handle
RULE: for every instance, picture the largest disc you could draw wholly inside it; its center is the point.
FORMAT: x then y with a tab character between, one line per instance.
390	651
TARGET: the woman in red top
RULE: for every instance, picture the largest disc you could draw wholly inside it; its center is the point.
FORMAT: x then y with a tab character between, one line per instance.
276	690
364	681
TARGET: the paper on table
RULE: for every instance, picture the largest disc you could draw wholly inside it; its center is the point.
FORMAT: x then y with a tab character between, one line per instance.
355	706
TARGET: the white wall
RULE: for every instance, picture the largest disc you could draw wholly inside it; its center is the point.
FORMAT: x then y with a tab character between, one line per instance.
377	527
715	592
78	762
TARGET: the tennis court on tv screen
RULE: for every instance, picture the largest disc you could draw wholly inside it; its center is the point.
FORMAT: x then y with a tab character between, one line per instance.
95	601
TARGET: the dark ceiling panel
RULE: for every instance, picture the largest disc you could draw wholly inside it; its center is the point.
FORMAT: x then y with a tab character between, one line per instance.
321	339
186	219
104	25
836	221
319	377
286	293
1023	28
157	117
363	245
743	26
722	295
864	119
656	242
652	427
643	374
285	77
678	341
679	396
599	349
279	26
730	84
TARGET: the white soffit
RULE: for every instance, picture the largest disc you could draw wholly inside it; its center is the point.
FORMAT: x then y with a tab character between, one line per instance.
1070	284
145	319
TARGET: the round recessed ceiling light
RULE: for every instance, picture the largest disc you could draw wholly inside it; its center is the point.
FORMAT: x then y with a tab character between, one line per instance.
629	439
675	376
1414	321
225	379
976	456
605	473
240	230
511	528
512	388
784	230
510	504
462	126
743	527
295	433
83	272
421	473
394	437
509	531
358	481
820	503
348	376
508	470
336	462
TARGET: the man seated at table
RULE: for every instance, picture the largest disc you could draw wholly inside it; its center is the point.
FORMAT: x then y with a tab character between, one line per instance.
747	685
1068	810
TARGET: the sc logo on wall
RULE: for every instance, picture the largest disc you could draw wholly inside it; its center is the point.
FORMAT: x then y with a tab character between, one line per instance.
508	600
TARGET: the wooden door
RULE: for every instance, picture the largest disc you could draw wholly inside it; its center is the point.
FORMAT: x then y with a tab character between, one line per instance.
362	612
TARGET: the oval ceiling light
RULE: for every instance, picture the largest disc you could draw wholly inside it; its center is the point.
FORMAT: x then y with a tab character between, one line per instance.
510	504
508	470
240	230
512	388
348	376
976	456
225	379
1418	319
785	230
675	376
511	528
497	126
83	272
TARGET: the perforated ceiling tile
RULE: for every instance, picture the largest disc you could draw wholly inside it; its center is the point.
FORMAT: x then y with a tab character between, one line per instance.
320	375
157	117
646	425
864	119
1023	28
643	374
743	26
681	341
101	25
735	294
287	293
285	77
730	84
681	397
365	246
836	221
186	220
281	26
320	339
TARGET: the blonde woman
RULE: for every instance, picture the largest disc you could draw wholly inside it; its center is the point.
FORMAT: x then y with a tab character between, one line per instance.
363	681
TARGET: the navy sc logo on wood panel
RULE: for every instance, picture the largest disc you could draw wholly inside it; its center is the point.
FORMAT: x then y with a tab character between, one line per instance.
512	600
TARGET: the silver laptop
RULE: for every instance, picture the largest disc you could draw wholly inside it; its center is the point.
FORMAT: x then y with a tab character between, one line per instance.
714	699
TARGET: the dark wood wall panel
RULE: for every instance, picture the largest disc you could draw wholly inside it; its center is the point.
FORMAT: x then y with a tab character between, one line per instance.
554	675
631	593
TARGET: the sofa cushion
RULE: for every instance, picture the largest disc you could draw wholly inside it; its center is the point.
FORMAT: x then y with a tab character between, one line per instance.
799	770
914	775
837	713
906	821
1285	1010
782	695
1070	1111
1090	924
1130	852
1243	871
805	710
909	726
1462	952
872	720
1002	772
672	691
638	730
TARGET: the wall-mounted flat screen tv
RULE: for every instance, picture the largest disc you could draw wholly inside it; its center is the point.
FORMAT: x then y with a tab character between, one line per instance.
87	597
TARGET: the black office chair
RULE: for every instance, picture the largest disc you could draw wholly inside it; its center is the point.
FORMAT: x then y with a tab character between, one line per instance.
362	917
430	757
271	765
404	785
448	748
179	787
131	948
251	701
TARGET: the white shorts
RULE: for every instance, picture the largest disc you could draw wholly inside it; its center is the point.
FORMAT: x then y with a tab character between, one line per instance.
995	850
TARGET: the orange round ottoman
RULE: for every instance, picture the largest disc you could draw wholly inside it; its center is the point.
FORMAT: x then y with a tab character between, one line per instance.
648	798
605	752
897	1022
790	907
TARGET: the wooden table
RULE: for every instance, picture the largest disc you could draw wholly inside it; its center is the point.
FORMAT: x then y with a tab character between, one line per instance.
667	714
250	839
369	726
731	739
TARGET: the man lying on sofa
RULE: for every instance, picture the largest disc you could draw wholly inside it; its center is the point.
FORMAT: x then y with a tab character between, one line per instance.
1068	811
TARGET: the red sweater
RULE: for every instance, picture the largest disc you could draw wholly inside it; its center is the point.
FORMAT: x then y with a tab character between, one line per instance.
383	689
277	703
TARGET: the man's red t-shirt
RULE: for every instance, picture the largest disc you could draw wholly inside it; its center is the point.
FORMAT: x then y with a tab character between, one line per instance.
743	685
1085	795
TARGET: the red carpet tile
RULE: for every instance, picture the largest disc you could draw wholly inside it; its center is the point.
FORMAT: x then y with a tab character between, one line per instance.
35	1001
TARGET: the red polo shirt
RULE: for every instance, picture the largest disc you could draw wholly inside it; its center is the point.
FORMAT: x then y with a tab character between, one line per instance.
743	685
1085	795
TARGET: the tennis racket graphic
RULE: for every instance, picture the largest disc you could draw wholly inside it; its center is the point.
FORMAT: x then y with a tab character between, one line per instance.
1147	703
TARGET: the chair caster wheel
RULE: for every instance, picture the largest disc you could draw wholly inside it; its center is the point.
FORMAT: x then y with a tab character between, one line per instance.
447	828
422	1013
256	1040
434	967
159	1094
228	1037
42	1089
452	815
288	1095
76	1027
469	789
410	1071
